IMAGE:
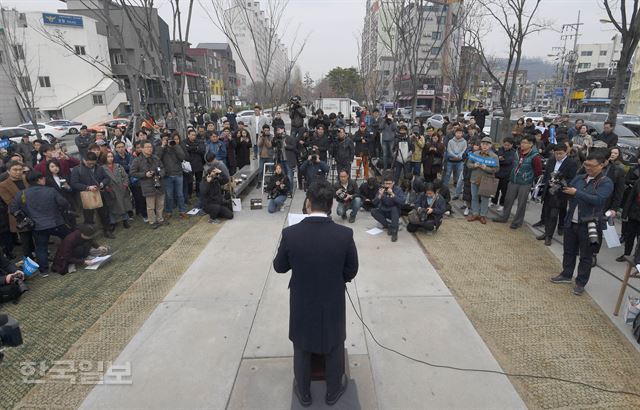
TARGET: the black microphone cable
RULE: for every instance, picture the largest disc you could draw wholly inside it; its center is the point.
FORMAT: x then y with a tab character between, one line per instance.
463	369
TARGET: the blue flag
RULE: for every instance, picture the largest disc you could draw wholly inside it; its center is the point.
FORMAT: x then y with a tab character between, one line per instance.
479	159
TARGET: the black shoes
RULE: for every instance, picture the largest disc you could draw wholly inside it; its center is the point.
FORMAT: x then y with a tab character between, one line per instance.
538	224
560	279
304	399
394	236
332	398
560	231
578	290
621	258
352	218
541	237
499	220
344	215
514	226
547	241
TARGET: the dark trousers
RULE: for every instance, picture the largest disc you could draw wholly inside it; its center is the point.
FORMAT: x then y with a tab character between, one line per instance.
428	225
218	211
27	242
42	244
6	241
551	215
103	215
187	185
334	369
576	242
382	216
501	191
631	231
139	203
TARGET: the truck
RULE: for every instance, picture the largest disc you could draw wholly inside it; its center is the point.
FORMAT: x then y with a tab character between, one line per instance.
346	106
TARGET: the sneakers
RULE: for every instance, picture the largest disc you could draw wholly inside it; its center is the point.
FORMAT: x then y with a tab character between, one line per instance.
578	290
560	279
466	212
621	258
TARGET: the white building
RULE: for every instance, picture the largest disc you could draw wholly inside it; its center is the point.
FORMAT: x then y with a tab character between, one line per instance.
599	55
246	15
65	86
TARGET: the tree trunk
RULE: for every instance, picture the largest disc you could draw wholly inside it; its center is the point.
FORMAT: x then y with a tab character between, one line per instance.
621	74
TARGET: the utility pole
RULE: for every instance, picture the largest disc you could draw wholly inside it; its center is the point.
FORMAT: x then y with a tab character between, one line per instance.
572	57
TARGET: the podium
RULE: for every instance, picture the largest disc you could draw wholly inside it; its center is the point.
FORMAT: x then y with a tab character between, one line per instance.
318	370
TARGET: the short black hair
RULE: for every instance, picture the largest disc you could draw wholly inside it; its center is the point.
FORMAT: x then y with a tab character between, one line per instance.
144	143
387	176
45	147
598	155
609	123
560	147
508	139
13	163
91	156
527	137
320	196
118	143
33	177
429	187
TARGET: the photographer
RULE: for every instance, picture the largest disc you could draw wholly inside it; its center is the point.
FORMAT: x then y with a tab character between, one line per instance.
402	150
148	169
278	189
212	197
8	190
347	196
195	155
388	130
589	194
418	143
277	122
364	143
45	206
313	168
388	202
320	142
559	170
172	154
297	115
290	156
265	151
429	210
368	191
344	151
11	281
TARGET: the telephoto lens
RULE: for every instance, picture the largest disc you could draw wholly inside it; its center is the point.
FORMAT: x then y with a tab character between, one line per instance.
592	231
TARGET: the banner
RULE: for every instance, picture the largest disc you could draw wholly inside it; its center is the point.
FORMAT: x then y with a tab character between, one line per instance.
479	159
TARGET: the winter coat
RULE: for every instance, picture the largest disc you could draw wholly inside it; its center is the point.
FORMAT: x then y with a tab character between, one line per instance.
195	154
139	168
172	157
43	204
117	194
8	191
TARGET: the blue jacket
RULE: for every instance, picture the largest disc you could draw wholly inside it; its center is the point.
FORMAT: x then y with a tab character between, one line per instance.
43	204
219	149
312	169
125	162
590	198
386	202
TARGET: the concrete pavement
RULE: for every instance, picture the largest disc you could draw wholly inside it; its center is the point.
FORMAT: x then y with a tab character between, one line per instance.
219	339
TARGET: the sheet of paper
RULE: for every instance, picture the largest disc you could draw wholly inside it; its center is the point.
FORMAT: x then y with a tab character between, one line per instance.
98	261
375	231
295	218
194	211
611	236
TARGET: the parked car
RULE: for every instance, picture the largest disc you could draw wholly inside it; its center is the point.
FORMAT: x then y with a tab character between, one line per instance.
498	112
423	115
404	113
526	108
107	126
73	127
535	116
465	115
628	141
550	116
435	121
51	133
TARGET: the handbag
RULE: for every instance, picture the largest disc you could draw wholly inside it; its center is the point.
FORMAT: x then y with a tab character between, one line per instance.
91	199
414	217
186	167
488	185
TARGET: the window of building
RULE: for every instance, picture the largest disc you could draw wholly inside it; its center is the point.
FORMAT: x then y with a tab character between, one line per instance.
603	52
434	65
387	72
18	52
45	82
442	20
601	65
586	53
97	99
435	50
436	35
80	50
584	65
117	59
25	83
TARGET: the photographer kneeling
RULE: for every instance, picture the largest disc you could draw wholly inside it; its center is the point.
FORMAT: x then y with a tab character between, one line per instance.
11	281
278	189
388	202
347	197
589	194
430	207
212	197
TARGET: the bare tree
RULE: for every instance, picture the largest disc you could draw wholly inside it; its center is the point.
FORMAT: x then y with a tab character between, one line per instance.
21	67
629	28
516	20
237	19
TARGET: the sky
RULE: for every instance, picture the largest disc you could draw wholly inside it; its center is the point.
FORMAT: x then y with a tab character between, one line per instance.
335	26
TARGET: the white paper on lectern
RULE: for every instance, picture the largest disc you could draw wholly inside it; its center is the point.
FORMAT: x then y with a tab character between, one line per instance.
295	218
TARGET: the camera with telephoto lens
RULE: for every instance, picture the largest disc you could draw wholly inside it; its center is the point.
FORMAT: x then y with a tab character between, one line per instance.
341	194
157	184
23	222
592	232
557	183
172	143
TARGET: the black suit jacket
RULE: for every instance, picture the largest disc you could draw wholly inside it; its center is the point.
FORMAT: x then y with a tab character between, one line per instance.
568	169
322	257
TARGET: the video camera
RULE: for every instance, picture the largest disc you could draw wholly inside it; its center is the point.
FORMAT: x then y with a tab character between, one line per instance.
10	334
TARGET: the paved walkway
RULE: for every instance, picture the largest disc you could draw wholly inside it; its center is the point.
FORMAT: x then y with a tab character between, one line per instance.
219	339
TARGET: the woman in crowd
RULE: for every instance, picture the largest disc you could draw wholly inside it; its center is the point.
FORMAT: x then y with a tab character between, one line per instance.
57	181
243	148
117	193
278	189
432	157
518	130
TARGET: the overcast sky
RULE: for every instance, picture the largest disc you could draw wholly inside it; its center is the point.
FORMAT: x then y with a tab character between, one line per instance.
334	24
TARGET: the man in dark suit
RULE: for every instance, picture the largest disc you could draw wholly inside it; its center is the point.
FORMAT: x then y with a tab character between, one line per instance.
322	257
555	201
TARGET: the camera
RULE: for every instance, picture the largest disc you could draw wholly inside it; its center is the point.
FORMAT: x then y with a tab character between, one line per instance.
20	283
557	183
341	194
172	143
157	184
10	334
592	232
23	222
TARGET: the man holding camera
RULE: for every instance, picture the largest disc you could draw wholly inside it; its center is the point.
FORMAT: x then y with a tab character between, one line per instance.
265	148
558	171
388	130
297	115
344	151
256	124
149	170
11	281
589	194
320	142
212	196
388	201
347	196
314	168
